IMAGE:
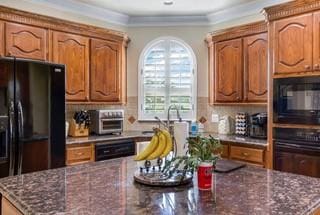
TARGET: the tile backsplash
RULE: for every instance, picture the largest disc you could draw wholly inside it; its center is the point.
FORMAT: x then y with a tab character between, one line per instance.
204	112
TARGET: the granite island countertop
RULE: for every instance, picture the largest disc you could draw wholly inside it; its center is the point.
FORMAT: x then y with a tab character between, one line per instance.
137	134
107	187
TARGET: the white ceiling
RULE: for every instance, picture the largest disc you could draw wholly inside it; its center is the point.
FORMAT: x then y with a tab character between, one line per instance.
157	8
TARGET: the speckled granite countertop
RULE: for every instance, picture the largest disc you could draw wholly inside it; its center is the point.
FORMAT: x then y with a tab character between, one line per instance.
136	134
107	187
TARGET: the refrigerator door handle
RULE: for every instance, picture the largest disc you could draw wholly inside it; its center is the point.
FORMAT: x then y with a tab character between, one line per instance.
11	141
21	132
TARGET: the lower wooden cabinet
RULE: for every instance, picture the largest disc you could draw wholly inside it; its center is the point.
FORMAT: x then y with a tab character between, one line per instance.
79	154
250	155
246	154
8	209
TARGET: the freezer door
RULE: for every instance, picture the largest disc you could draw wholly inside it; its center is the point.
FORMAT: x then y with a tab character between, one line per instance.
7	118
36	115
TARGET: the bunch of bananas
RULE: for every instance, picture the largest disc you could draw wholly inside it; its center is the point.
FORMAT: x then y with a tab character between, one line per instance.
159	146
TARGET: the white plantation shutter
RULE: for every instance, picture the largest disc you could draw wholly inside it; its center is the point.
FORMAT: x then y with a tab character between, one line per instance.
167	77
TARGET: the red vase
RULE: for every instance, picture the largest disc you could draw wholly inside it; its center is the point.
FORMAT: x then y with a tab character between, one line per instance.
205	171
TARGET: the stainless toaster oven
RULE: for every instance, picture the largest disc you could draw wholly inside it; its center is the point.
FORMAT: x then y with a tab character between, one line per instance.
106	121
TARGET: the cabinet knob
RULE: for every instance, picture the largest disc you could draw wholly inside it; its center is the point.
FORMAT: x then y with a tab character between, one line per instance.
87	98
307	67
316	66
238	98
245	154
9	53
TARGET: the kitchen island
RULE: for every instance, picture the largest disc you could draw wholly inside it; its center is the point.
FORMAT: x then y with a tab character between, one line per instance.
107	187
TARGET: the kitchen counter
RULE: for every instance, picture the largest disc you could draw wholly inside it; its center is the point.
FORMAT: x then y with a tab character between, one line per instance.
107	187
137	134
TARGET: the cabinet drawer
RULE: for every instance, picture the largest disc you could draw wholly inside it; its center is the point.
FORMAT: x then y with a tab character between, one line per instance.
246	154
79	154
225	151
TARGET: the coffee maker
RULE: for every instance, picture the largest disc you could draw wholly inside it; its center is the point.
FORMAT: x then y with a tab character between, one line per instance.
258	125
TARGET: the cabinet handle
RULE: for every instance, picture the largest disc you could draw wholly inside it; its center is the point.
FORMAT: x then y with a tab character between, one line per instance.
316	66
9	53
245	154
307	67
87	98
80	153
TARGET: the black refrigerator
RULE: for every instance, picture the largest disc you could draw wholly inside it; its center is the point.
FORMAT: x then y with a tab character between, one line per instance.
32	116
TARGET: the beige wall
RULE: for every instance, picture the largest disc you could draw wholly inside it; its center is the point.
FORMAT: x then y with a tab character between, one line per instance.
141	36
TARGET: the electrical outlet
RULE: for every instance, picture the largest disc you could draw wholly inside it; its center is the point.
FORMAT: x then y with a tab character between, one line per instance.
215	118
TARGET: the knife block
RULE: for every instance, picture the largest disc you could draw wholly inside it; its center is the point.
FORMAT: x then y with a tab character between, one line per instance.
78	130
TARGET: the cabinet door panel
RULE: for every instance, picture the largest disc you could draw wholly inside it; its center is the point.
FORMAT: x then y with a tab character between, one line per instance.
105	71
307	165
228	71
316	41
255	64
284	162
293	44
26	41
73	51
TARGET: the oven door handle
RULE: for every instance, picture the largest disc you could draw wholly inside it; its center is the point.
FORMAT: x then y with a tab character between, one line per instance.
114	119
290	145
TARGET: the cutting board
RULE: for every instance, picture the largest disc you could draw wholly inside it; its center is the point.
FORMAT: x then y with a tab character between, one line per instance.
225	166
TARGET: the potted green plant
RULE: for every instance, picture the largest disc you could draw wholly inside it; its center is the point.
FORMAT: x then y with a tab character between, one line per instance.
202	155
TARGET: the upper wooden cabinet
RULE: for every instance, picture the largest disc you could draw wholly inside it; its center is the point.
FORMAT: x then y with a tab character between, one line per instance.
95	58
316	41
105	71
293	44
26	41
228	71
238	65
255	67
73	51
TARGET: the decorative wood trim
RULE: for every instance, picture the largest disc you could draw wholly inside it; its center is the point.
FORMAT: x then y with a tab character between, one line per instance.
290	9
2	36
269	151
18	16
238	31
278	125
297	74
238	104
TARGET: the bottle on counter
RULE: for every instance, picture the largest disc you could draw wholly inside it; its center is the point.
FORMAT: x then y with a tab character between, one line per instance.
200	127
194	128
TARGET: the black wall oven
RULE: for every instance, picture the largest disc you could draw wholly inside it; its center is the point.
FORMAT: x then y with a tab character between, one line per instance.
297	100
297	150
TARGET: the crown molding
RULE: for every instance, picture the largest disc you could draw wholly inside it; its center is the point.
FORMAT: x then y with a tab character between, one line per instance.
243	10
85	10
229	14
148	21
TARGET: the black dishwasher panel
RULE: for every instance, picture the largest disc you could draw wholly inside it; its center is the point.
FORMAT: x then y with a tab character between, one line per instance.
114	149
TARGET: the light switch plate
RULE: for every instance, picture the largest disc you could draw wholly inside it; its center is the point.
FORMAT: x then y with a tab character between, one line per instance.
215	118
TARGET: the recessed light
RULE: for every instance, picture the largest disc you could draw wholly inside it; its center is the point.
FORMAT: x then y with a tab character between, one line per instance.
168	2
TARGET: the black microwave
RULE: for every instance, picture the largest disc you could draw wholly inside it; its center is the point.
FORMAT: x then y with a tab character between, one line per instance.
296	100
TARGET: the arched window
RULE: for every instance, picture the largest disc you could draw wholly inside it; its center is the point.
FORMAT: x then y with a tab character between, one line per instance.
167	76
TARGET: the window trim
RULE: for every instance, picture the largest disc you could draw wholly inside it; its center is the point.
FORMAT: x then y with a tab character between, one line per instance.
145	50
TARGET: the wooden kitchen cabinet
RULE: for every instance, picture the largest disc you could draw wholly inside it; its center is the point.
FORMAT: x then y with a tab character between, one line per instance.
298	163
250	155
79	154
316	41
26	41
105	71
8	209
228	71
238	65
73	51
255	68
293	45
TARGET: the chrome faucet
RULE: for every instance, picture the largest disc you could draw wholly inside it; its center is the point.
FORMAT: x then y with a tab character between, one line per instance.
178	114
